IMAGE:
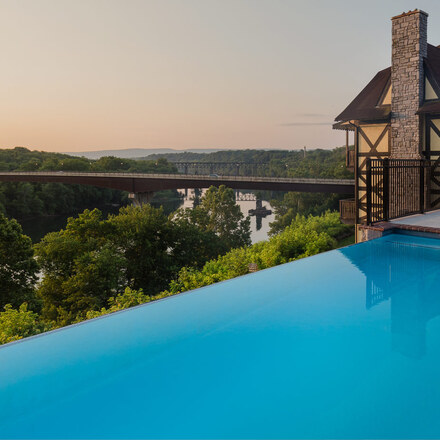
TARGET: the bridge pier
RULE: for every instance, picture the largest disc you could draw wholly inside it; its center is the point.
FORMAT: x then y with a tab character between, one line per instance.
141	198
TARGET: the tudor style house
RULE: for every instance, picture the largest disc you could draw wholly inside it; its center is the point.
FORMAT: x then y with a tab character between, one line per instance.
396	125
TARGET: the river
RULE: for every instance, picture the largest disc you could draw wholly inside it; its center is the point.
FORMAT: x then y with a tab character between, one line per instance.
38	227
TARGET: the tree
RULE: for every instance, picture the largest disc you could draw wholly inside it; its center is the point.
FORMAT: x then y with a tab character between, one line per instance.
225	218
20	199
144	236
93	260
18	268
19	323
219	213
306	236
82	268
294	203
129	298
192	245
87	266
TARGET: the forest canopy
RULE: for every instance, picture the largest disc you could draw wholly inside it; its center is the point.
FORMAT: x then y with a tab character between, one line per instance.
97	266
274	163
24	199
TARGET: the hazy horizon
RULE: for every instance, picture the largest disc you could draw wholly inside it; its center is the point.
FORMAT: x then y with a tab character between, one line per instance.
230	74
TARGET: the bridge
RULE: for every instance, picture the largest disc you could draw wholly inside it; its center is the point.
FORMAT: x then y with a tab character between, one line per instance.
142	186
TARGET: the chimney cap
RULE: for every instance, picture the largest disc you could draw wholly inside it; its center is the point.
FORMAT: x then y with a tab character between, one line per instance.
404	14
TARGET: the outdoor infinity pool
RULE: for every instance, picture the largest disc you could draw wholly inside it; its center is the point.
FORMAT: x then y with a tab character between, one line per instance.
345	344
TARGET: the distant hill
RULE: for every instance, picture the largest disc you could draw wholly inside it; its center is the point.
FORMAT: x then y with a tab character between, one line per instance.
232	156
131	153
276	163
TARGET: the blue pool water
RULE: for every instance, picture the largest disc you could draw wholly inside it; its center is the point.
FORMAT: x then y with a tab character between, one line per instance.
345	344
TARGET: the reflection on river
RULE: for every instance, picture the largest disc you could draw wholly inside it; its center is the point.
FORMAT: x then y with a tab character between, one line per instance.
38	227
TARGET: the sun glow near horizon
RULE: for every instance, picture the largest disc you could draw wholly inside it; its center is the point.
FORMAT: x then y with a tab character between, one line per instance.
82	76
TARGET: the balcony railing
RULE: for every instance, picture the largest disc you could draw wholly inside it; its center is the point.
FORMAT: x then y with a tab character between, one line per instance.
347	211
400	187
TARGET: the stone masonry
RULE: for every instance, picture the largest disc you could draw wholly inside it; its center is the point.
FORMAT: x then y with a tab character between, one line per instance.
409	47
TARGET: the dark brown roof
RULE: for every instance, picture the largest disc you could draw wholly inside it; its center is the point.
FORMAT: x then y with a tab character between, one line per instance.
433	62
432	70
343	126
429	107
364	106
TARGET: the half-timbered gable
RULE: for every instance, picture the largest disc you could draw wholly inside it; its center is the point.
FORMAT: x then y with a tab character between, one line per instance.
369	115
397	115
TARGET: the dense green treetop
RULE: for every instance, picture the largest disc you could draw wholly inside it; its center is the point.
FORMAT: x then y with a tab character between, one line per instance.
95	265
19	323
18	268
22	159
280	163
124	300
23	199
293	203
305	236
81	268
219	213
94	259
90	268
144	237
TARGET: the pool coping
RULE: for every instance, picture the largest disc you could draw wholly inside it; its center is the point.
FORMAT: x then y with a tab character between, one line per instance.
370	232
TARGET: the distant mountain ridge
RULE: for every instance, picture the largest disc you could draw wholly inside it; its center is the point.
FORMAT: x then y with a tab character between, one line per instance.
131	153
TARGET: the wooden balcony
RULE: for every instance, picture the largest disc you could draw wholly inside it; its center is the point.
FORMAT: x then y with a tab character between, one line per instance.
347	211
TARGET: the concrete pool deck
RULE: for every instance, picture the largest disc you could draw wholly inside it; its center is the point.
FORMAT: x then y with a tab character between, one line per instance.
428	222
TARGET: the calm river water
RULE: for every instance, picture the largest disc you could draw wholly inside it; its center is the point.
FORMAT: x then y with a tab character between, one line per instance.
38	227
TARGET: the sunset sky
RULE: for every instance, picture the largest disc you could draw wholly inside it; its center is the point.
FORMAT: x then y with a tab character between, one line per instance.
100	74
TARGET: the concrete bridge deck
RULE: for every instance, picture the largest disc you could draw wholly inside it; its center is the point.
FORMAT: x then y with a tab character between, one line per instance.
145	183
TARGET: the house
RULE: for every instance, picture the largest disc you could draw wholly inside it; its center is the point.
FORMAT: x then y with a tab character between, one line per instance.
396	124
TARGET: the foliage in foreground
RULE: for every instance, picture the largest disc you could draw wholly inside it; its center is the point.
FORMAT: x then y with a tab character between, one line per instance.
129	298
19	323
95	259
306	236
294	203
18	267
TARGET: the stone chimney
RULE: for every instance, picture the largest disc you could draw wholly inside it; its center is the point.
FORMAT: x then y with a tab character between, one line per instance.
409	47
